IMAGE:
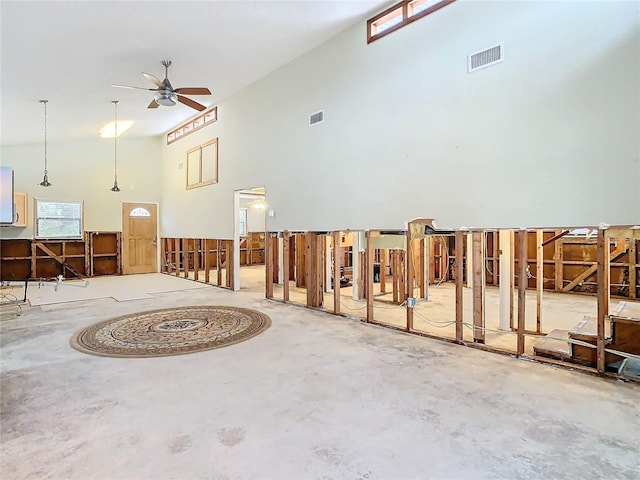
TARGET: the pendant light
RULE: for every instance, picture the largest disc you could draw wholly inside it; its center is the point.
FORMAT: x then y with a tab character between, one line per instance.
45	180
115	148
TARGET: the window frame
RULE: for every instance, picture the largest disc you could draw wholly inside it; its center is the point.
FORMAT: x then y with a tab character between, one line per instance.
408	17
202	182
36	227
244	223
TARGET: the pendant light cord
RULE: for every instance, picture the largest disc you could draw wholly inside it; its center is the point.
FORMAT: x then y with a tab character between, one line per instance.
45	135
115	141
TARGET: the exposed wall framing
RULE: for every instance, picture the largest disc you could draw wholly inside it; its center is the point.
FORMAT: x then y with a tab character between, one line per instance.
99	253
204	260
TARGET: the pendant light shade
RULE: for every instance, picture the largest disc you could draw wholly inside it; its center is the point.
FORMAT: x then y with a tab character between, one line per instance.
45	180
115	148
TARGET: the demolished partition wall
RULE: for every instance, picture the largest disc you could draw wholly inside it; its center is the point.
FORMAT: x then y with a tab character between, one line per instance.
514	319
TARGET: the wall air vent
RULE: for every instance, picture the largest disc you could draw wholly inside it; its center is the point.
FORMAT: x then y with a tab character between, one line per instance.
485	57
316	118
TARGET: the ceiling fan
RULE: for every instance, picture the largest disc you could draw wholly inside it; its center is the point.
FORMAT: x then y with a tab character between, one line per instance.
166	95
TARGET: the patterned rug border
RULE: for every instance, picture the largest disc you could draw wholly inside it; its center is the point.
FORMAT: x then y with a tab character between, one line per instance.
76	343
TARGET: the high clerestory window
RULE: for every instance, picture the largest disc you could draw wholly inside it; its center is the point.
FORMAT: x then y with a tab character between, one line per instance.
400	15
193	125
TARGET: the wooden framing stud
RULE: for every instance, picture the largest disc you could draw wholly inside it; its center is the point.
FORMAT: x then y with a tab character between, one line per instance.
478	286
368	275
603	256
409	272
522	288
460	245
268	245
539	278
337	254
285	265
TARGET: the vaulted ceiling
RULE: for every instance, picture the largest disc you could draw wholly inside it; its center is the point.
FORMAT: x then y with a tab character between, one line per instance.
69	52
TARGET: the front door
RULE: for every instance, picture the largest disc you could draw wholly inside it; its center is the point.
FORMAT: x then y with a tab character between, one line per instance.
139	245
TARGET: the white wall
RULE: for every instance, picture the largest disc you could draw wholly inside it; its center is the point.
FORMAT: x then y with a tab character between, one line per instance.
84	171
550	137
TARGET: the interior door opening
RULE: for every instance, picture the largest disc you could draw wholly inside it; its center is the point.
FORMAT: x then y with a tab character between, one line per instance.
249	238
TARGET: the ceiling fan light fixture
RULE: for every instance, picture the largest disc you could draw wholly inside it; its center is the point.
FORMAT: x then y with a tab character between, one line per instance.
166	98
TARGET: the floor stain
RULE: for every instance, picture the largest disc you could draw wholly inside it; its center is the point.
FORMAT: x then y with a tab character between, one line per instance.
179	444
231	437
330	455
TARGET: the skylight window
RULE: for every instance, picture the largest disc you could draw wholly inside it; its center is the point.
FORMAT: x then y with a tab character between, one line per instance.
108	131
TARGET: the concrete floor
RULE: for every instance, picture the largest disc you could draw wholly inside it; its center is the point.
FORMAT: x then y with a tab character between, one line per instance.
315	396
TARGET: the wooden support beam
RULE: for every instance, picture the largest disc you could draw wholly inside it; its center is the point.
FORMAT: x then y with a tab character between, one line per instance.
603	295
394	275
593	269
230	265
383	270
268	245
557	261
409	272
314	271
207	260
478	286
557	236
187	249
539	279
361	280
633	275
402	292
337	259
496	254
368	275
432	261
522	288
421	270
219	262
460	243
512	259
301	263
286	236
56	257
196	258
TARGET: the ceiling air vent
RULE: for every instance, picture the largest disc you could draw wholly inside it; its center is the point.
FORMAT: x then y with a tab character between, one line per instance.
316	118
485	58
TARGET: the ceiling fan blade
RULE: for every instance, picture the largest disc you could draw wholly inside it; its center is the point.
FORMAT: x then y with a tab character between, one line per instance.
191	103
136	88
193	91
153	104
153	79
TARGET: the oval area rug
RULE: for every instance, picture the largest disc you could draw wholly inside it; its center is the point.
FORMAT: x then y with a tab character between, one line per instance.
170	331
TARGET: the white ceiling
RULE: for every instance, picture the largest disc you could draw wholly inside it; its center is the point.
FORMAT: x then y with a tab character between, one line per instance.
69	52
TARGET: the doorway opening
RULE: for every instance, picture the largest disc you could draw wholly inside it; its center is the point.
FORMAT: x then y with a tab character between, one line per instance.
249	238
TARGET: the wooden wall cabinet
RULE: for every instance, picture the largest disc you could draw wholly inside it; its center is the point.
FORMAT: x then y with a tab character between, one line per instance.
21	202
